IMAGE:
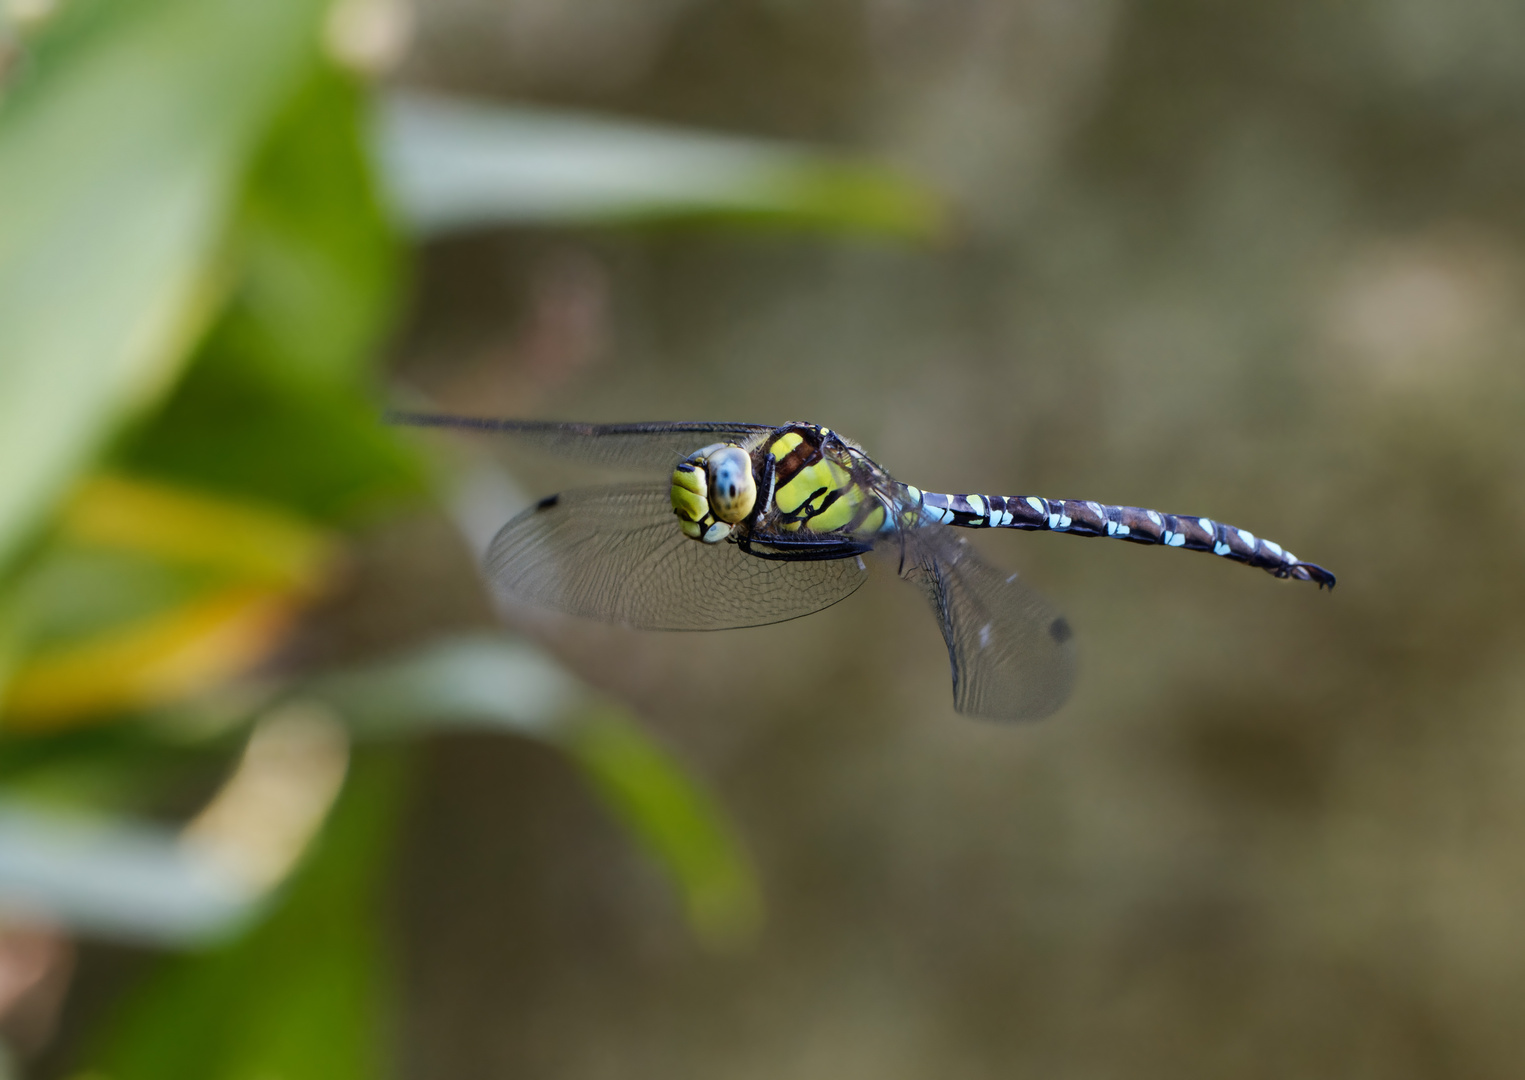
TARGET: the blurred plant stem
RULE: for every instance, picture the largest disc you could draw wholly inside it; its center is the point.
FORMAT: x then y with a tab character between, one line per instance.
676	821
492	683
305	992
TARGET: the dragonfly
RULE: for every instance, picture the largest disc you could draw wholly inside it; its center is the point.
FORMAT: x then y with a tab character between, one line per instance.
750	524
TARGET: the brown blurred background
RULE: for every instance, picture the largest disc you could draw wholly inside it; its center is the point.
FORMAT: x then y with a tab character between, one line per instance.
1262	263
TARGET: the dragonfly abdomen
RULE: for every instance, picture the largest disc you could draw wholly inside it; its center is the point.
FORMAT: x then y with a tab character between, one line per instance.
1132	523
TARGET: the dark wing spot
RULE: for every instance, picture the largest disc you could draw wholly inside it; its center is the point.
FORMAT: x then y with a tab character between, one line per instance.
547	502
1060	630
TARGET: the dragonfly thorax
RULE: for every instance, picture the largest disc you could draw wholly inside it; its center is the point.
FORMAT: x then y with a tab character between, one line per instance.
712	491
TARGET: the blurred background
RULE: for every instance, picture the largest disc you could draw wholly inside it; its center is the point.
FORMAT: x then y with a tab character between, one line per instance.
285	793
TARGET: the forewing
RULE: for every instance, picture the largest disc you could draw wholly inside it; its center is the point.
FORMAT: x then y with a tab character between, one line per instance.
616	553
657	445
1011	651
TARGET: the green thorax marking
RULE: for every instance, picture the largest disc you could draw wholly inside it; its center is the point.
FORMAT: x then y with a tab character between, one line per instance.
819	483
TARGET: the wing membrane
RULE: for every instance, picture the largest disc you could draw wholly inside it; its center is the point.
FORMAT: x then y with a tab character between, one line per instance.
616	553
1011	651
657	445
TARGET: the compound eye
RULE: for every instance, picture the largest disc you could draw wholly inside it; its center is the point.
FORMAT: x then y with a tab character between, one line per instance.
732	490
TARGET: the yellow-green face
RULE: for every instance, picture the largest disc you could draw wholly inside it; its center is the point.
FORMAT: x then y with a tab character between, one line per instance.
712	491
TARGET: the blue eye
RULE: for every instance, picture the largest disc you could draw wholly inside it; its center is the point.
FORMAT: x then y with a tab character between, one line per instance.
732	492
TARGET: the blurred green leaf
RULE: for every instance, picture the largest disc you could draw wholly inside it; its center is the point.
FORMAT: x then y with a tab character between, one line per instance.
486	681
675	820
235	426
10	645
320	260
69	855
116	768
159	659
494	682
243	540
277	404
105	876
454	164
154	593
302	995
70	592
122	151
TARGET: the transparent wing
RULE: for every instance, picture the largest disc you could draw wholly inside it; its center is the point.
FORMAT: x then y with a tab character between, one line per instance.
658	445
616	553
1011	651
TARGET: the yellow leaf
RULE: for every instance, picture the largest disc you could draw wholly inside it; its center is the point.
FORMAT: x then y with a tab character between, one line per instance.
151	661
177	525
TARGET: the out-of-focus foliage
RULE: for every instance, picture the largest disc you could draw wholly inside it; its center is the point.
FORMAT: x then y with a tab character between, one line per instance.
1259	261
155	593
199	271
675	820
113	877
455	165
123	143
278	403
298	995
491	684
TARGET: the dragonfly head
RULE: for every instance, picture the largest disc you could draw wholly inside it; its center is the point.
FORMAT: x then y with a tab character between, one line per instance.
733	491
712	491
